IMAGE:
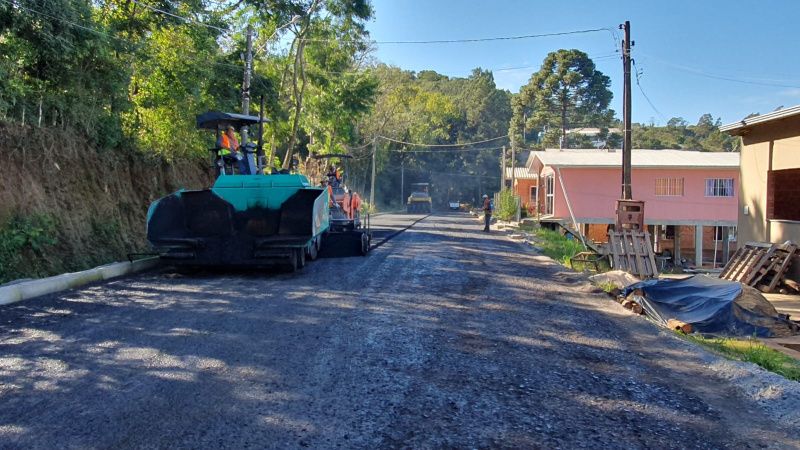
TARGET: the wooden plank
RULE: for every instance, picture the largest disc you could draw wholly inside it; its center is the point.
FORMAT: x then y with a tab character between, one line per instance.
764	270
629	252
637	255
732	262
650	255
613	242
781	270
760	262
744	266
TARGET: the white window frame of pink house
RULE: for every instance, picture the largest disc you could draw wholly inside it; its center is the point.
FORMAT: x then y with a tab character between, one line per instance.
549	194
719	187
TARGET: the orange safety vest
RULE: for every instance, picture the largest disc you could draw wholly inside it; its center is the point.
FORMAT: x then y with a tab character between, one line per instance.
225	144
346	205
355	203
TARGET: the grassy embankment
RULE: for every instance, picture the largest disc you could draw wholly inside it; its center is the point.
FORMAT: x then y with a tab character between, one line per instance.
751	350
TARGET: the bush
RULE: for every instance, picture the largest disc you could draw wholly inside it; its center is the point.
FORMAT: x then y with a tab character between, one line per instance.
22	237
506	207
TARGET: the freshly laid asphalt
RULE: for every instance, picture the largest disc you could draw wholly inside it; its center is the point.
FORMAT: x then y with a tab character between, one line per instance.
443	337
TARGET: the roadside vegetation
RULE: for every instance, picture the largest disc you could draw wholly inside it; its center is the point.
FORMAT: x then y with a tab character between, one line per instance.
750	350
557	246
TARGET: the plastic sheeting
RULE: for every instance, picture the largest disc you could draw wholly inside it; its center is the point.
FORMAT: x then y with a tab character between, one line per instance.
712	306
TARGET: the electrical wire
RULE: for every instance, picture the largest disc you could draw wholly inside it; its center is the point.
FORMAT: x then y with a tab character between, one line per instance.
638	74
466	144
185	19
702	73
461	41
68	22
448	150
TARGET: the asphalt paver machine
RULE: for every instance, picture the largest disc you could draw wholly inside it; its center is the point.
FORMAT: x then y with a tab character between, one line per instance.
241	220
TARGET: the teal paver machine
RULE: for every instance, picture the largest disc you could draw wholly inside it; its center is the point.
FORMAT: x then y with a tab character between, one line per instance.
242	220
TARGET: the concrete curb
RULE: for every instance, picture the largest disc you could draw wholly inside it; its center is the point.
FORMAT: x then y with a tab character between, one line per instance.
34	288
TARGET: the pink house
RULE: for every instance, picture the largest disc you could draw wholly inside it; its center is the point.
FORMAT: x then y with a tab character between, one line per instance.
691	198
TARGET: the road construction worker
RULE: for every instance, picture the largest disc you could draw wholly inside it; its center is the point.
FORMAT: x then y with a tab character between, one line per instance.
325	184
229	146
487	212
355	204
346	204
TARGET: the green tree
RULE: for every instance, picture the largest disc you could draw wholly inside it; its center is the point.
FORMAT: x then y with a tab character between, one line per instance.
568	91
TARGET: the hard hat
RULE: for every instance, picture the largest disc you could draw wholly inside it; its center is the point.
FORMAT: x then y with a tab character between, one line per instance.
485	196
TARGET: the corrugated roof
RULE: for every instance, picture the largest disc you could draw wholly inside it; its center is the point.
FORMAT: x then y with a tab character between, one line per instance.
521	173
639	158
768	117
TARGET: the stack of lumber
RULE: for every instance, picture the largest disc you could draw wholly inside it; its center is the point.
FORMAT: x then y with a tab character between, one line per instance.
760	265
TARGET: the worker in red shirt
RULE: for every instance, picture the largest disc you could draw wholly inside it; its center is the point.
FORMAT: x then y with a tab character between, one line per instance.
487	212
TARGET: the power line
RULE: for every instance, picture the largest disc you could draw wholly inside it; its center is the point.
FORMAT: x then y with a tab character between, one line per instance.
68	22
185	19
466	144
638	74
469	40
448	150
702	73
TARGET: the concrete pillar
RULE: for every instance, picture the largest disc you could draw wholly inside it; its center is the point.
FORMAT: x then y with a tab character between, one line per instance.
725	246
677	244
698	246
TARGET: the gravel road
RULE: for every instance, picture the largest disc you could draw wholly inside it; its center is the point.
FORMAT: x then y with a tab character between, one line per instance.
444	337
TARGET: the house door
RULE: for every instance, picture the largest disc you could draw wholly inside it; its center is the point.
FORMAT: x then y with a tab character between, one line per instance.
549	194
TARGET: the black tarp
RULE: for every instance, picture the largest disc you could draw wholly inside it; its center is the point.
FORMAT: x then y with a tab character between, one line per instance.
712	306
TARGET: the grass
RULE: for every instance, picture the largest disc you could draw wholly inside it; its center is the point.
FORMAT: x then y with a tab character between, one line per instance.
608	287
556	246
751	350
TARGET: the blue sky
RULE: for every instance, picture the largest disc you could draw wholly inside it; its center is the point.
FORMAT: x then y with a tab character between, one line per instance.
683	48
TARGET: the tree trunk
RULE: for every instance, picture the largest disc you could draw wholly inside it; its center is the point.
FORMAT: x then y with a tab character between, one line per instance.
298	101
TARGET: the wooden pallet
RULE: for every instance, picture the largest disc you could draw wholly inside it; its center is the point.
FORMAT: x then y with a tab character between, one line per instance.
632	252
759	264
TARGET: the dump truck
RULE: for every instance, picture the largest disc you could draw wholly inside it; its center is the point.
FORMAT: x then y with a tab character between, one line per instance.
420	199
279	219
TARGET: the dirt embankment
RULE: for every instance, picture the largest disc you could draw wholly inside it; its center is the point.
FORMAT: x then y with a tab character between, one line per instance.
66	206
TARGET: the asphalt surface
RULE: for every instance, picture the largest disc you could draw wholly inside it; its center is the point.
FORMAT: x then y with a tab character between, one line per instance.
443	337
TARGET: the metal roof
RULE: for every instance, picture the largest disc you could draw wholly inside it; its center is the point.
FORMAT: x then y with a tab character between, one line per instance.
768	117
639	158
521	173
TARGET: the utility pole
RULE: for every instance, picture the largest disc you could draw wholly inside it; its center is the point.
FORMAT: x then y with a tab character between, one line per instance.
503	171
372	183
402	179
248	67
626	112
513	166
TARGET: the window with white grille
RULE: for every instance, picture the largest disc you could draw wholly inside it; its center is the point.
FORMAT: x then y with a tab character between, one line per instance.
719	187
549	194
669	187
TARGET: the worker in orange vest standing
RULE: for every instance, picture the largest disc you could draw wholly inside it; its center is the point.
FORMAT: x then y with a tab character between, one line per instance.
355	204
346	204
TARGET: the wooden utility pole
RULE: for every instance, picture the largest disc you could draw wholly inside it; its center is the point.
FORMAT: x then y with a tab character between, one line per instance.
248	67
513	166
626	112
503	171
402	180
372	183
